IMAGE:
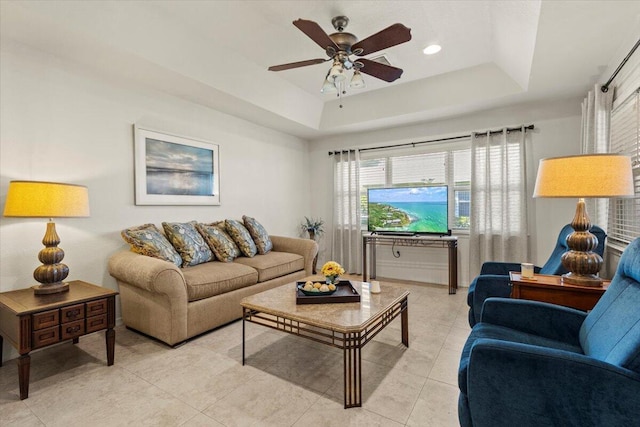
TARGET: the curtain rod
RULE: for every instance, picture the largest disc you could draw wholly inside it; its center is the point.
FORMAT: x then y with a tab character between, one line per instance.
382	147
413	144
492	132
605	87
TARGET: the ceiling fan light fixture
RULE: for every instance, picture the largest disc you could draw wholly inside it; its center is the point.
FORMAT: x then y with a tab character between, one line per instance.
431	49
336	74
328	86
357	82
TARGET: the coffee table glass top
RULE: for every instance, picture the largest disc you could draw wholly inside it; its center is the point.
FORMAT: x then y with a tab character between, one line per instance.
341	317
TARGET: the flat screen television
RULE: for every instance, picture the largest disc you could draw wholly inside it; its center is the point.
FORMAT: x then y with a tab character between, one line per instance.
408	210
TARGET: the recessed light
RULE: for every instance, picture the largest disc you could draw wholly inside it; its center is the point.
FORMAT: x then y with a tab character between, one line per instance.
431	49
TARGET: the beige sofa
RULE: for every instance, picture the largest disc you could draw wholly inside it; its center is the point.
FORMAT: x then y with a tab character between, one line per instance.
174	304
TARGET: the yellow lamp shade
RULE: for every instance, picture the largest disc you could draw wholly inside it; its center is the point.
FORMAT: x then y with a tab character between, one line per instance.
591	175
46	199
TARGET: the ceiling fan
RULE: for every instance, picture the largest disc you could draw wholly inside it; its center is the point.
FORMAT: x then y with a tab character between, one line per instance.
340	46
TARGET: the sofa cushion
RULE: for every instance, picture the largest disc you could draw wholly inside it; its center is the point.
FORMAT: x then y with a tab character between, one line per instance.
273	264
487	330
219	241
148	240
258	234
215	278
241	236
188	242
220	224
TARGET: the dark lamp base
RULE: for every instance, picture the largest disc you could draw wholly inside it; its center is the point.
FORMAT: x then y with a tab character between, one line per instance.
52	272
582	263
582	280
50	288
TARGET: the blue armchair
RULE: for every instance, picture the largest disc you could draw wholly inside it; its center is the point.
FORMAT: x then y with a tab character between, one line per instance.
493	280
532	363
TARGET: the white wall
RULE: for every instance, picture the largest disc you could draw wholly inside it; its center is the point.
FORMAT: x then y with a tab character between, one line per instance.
60	122
557	133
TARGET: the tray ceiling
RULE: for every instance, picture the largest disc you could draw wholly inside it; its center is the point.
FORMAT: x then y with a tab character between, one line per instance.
216	53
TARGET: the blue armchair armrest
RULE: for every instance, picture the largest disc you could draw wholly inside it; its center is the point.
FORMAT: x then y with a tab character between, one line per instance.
534	317
483	287
502	268
518	384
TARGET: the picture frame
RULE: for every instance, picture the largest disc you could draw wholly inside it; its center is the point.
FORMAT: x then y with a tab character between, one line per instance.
175	170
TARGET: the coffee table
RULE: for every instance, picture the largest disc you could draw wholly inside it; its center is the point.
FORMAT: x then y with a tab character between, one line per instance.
348	326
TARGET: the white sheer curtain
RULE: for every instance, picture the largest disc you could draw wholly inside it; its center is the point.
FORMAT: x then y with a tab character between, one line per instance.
498	229
346	247
594	135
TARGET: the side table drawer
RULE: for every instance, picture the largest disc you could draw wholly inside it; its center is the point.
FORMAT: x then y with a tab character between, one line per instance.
72	313
46	319
96	323
72	329
44	337
97	307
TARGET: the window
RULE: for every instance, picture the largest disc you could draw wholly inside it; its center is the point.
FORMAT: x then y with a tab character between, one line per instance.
624	217
461	188
440	166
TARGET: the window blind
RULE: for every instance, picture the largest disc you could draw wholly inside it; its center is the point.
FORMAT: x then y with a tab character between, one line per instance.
624	216
436	165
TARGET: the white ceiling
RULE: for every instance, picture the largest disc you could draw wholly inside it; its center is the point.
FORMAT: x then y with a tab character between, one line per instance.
216	53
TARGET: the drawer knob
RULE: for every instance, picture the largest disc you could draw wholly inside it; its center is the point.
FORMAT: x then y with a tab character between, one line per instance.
71	330
73	313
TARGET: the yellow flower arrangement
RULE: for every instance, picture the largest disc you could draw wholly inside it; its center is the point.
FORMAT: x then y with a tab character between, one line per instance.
331	270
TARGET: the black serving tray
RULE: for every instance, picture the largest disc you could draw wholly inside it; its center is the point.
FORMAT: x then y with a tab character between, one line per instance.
345	292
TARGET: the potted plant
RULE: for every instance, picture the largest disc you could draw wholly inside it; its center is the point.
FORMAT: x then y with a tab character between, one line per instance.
312	226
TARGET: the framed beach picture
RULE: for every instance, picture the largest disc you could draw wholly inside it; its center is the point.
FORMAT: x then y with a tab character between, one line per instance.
175	170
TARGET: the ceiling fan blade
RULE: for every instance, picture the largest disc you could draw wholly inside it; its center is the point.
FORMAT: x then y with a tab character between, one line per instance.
315	33
298	64
390	36
380	71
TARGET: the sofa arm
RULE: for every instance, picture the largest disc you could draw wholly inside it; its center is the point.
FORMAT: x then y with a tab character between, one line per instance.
539	318
307	248
148	273
510	384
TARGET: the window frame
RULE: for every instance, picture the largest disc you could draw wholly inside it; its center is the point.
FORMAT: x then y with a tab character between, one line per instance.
449	168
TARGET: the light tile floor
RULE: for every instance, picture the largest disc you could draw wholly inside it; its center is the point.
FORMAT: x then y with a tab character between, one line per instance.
287	380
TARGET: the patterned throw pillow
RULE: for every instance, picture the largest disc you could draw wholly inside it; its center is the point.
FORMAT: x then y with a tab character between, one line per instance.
259	234
241	236
219	241
188	242
148	240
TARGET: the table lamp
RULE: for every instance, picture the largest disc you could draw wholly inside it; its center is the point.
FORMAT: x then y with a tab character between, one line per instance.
38	199
590	175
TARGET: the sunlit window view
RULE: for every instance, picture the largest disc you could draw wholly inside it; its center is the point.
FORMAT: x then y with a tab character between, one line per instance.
436	169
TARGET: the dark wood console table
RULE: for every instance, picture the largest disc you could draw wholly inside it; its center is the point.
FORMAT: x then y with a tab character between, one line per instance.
448	242
31	321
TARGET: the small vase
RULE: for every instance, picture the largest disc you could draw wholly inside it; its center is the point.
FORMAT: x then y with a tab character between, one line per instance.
329	280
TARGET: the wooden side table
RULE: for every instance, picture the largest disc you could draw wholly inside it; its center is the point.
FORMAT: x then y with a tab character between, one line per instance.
30	321
548	288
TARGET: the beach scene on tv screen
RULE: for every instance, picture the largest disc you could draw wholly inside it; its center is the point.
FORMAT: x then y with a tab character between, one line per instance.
416	209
